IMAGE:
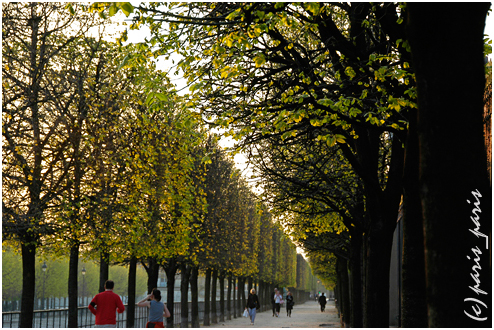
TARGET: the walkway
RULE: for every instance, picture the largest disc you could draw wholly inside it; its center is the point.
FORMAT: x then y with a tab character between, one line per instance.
307	315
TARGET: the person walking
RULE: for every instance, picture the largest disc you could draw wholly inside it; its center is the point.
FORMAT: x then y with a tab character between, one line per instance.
322	302
157	309
272	301
278	298
289	304
252	305
104	305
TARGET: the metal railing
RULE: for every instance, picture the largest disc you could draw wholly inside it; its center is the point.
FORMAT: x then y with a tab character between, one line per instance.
58	318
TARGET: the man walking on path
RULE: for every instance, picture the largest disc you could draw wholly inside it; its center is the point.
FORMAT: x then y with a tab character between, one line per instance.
322	302
104	305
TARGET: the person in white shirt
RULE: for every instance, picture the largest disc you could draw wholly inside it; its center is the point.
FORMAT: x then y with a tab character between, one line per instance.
278	298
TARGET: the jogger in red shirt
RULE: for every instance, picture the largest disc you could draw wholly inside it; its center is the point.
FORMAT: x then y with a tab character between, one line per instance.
104	305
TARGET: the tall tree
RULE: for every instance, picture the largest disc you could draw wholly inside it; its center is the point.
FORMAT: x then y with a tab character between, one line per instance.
454	186
38	99
333	70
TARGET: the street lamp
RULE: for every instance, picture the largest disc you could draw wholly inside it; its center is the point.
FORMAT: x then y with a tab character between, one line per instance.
44	279
83	283
43	268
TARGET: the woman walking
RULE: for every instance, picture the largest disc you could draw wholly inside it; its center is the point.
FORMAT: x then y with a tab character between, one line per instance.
278	298
157	309
252	305
289	304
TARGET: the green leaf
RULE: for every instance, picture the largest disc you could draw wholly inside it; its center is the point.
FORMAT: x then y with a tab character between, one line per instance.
113	10
233	15
350	72
124	62
162	97
70	8
195	87
127	8
325	102
331	141
259	60
340	138
149	98
316	122
313	7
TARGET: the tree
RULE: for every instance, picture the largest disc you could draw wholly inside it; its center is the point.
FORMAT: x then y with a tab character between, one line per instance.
225	221
315	190
37	98
453	179
77	64
272	69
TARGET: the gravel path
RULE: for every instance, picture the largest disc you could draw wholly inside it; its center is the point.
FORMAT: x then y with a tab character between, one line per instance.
307	315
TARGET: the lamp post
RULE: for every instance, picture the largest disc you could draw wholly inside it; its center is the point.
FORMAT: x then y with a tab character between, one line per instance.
44	279
83	283
43	268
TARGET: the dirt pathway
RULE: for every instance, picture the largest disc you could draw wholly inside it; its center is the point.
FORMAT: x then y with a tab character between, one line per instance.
307	315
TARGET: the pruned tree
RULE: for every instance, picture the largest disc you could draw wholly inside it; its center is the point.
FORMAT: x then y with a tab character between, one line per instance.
41	108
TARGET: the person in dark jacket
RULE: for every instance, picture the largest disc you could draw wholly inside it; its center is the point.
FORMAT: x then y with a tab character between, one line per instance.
289	304
322	302
252	305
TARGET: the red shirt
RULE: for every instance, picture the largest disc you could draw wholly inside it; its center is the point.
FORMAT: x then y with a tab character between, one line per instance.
106	303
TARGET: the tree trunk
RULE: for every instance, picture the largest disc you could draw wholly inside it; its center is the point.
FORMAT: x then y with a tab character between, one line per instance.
104	269
229	299
243	297
337	290
269	292
132	292
356	317
260	294
379	244
207	295
241	294
153	272
249	284
214	280
171	270
234	287
414	305
222	297
195	297
342	269
28	285
72	285
381	211
454	183
184	291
